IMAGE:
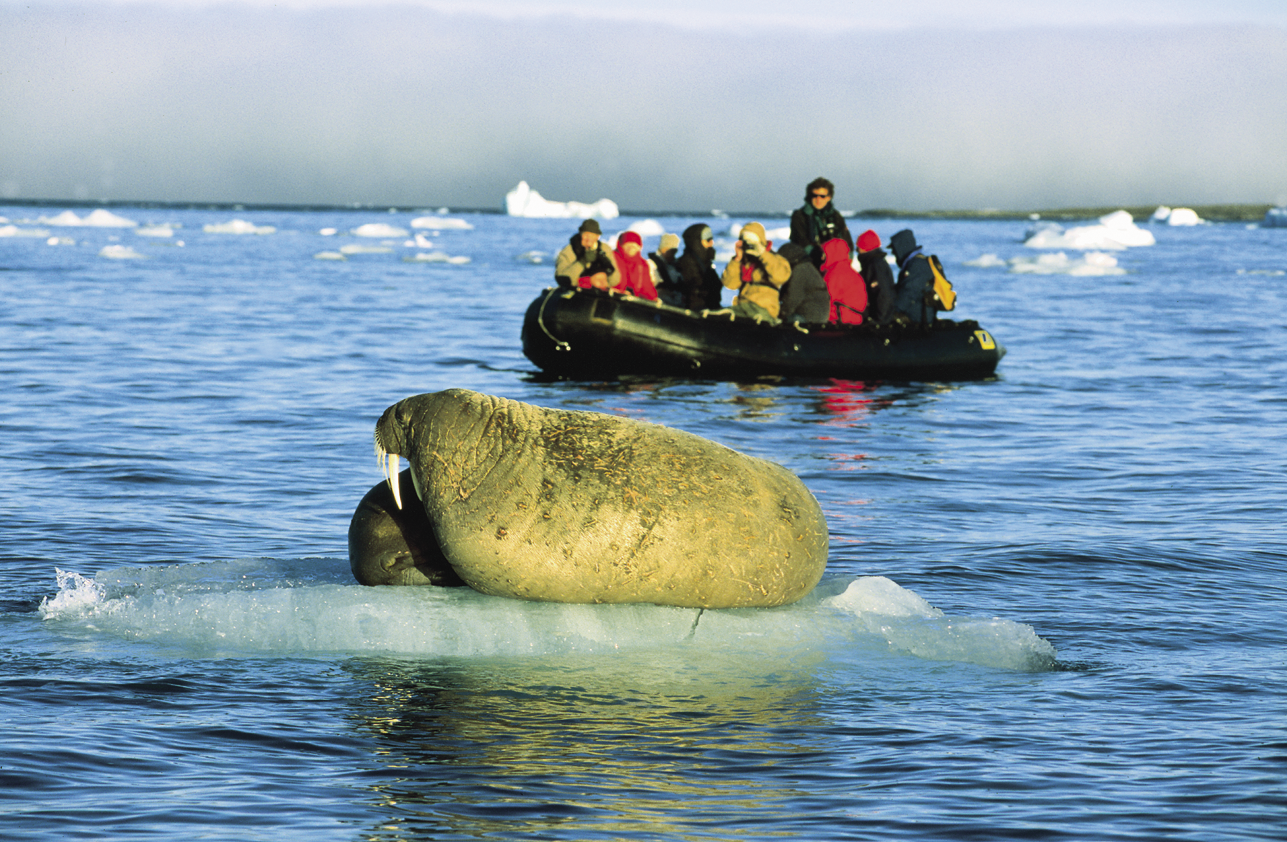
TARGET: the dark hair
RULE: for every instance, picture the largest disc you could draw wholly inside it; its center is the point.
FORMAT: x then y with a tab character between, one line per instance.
815	184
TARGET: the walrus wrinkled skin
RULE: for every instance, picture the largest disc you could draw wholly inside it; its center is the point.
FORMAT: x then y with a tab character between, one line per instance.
581	507
389	545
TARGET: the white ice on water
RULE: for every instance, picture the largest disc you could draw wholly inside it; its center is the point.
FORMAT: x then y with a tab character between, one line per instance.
1116	231
237	226
1177	216
119	252
1089	264
100	218
441	223
378	229
1275	218
307	606
526	202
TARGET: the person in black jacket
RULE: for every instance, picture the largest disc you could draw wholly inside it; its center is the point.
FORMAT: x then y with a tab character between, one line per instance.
665	261
879	278
804	297
914	298
700	282
818	221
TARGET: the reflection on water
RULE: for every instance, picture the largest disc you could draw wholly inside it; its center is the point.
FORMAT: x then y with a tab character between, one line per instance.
593	748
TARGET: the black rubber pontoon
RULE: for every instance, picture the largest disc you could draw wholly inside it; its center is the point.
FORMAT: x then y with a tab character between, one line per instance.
589	333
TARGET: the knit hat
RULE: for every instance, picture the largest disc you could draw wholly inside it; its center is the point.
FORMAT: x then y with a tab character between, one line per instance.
757	229
630	237
668	242
868	241
590	225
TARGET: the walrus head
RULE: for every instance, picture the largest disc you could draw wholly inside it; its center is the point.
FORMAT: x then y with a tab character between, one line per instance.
391	444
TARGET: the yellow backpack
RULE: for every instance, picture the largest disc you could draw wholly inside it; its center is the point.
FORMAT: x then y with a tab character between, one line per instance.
942	286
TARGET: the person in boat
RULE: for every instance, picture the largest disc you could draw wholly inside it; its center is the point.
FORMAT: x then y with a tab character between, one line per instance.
665	270
699	281
914	298
757	273
585	262
847	288
818	221
879	278
804	298
636	272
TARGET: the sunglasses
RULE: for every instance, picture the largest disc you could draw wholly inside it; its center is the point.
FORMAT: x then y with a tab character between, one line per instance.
820	195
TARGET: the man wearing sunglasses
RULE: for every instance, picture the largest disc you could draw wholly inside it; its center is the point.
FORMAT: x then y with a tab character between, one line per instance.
818	221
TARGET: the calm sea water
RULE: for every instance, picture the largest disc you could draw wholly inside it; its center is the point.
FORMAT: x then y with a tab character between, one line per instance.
1054	605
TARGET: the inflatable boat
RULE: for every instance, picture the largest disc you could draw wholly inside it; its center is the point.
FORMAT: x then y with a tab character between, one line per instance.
589	334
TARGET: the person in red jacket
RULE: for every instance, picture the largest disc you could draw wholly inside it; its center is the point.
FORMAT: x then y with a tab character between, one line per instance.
847	288
636	274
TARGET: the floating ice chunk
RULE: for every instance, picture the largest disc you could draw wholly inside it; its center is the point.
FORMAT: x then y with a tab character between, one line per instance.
118	252
420	241
237	226
1275	218
986	261
531	257
329	232
15	231
526	202
1092	263
436	257
60	241
358	248
441	223
1116	230
647	228
99	218
378	229
329	255
910	624
155	231
1177	216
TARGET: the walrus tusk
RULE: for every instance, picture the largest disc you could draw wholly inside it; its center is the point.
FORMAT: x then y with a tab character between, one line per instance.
389	467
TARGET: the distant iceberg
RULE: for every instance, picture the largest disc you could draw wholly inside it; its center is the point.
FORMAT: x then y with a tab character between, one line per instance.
524	201
1116	230
1092	263
1177	216
441	223
436	257
986	261
15	231
120	253
378	229
237	226
1275	218
97	219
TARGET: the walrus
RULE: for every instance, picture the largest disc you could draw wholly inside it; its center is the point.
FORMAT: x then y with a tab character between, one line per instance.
582	507
390	545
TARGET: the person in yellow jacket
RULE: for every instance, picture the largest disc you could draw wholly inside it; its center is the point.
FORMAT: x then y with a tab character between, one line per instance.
756	272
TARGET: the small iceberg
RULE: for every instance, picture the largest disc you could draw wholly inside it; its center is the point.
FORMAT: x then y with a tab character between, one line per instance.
329	255
237	226
155	231
358	248
986	261
120	253
60	241
1177	216
1275	218
378	229
441	223
1090	264
1116	230
15	231
97	219
436	257
526	202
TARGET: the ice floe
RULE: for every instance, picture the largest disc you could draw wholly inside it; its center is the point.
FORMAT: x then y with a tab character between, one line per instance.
441	223
118	252
15	231
329	255
986	261
237	226
378	229
155	231
1116	230
532	257
359	248
524	201
99	218
1275	218
436	257
60	241
1091	263
1177	216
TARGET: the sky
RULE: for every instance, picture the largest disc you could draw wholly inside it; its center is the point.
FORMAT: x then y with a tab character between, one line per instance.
668	105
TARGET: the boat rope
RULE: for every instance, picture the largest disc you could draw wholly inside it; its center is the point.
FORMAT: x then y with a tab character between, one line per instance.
559	344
